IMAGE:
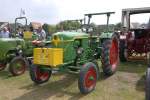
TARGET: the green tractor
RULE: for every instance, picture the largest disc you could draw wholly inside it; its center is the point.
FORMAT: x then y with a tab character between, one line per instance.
77	52
16	50
11	50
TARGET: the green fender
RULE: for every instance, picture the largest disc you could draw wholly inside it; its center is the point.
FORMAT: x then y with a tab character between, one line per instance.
107	35
103	36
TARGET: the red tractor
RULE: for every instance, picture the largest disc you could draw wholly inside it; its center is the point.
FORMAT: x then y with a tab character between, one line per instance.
134	37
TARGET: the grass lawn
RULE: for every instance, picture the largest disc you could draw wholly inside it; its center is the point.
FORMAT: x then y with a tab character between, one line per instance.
126	84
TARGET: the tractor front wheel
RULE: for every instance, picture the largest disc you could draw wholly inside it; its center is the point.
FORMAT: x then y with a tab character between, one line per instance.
18	66
2	66
39	75
87	77
147	89
110	55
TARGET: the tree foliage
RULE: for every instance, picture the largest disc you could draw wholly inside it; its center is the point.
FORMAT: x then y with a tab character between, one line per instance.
63	25
75	25
68	25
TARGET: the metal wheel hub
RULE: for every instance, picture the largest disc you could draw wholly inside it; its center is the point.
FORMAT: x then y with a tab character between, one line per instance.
90	78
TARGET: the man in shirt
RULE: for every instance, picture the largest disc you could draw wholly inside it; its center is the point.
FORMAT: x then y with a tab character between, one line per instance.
5	33
41	33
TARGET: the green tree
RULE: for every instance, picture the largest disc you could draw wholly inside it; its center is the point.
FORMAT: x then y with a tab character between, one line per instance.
52	29
68	25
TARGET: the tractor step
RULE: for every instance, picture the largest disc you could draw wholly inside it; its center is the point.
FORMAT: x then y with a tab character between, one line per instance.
73	72
74	67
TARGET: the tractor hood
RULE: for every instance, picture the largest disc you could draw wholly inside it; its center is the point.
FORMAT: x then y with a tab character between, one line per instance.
65	35
8	44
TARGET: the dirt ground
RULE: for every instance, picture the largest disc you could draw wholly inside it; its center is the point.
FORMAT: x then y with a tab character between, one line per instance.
126	84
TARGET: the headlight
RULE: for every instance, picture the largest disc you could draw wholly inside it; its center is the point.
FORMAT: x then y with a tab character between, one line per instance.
80	50
20	51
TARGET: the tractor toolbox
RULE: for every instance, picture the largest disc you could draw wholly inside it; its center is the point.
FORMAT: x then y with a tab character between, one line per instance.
48	56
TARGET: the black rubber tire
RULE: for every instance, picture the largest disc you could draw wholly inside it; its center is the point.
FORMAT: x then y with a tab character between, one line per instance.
106	65
82	75
2	66
147	89
122	51
22	70
33	74
98	68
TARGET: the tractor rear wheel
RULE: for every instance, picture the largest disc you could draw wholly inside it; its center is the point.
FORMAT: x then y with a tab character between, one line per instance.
123	51
39	75
2	66
18	66
147	89
110	55
87	77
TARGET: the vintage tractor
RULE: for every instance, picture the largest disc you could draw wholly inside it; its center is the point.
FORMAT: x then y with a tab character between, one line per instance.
134	38
77	52
16	50
11	50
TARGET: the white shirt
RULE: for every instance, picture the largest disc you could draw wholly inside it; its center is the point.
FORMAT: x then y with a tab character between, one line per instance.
42	35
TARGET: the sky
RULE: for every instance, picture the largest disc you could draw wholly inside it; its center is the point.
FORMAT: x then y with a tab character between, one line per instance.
54	11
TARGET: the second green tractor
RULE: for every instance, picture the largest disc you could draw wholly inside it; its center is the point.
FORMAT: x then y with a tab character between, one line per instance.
77	52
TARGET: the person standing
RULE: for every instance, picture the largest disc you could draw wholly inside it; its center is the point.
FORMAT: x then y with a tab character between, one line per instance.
41	33
5	33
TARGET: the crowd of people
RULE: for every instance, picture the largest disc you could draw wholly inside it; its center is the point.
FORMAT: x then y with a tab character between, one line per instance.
41	34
